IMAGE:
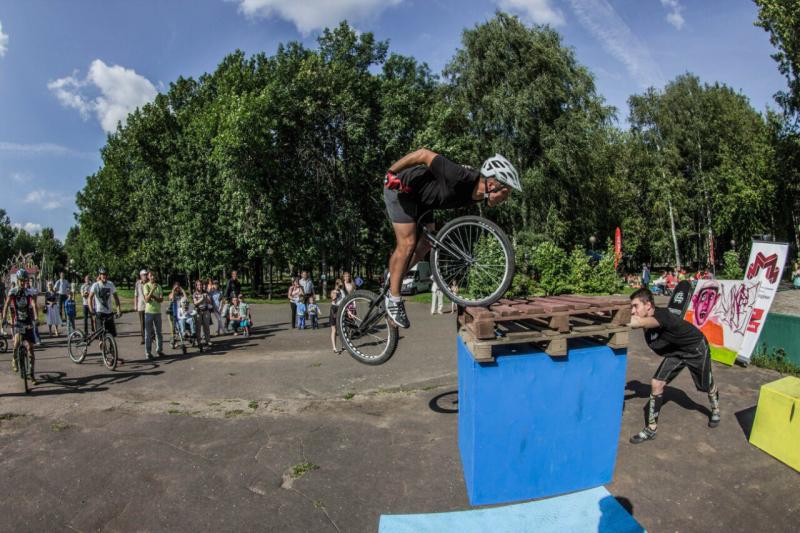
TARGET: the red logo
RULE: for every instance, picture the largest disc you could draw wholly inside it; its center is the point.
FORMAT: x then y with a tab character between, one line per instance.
754	320
770	264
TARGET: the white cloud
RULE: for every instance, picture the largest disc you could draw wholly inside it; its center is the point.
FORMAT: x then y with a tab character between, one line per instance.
20	178
536	11
674	16
30	227
310	15
42	149
45	199
602	21
3	41
121	91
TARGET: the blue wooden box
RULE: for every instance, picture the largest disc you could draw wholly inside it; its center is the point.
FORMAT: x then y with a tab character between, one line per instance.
532	426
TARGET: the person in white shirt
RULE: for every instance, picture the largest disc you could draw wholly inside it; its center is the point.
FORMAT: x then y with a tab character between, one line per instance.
138	300
61	287
437	299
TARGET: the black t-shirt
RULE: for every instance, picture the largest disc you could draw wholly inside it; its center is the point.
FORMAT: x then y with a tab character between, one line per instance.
674	335
445	185
232	288
21	304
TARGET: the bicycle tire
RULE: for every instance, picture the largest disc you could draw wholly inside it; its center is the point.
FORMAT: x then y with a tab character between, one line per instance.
76	347
3	345
21	353
345	333
109	351
508	273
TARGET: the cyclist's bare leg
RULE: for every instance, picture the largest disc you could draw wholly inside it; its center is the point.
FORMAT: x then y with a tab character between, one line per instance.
405	234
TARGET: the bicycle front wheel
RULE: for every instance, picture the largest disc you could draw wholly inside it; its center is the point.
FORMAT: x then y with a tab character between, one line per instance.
76	346
109	351
21	353
473	262
368	334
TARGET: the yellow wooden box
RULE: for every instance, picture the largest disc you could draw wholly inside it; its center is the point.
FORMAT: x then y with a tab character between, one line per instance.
776	428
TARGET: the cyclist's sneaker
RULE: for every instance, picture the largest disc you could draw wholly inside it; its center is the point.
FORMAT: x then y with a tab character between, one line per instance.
713	420
397	312
14	366
644	435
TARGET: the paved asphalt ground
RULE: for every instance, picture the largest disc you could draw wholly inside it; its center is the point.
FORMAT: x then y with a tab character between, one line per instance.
277	433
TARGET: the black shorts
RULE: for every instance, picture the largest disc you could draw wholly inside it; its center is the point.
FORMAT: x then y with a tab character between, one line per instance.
404	208
334	312
697	360
108	322
26	330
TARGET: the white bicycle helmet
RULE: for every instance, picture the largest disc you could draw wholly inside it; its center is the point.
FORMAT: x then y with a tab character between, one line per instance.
501	169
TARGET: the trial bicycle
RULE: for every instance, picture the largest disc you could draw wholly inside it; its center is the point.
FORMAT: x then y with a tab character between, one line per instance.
22	361
472	263
78	345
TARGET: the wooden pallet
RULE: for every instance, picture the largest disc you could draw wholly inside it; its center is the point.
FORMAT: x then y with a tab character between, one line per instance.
546	321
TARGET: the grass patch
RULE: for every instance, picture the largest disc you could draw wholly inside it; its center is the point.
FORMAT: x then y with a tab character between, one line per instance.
776	360
9	416
174	403
314	365
253	405
349	395
301	469
58	425
177	412
233	413
318	504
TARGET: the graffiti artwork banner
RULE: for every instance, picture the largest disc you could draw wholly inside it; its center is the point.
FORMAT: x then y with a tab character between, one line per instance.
764	268
722	310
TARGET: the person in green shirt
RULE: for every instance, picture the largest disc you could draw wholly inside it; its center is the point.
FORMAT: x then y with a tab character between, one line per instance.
152	315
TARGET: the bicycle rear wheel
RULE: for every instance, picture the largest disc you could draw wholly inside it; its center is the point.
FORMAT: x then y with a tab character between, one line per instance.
474	262
3	345
373	344
109	351
76	346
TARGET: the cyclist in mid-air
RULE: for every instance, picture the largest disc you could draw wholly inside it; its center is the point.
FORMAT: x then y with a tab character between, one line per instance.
423	181
23	317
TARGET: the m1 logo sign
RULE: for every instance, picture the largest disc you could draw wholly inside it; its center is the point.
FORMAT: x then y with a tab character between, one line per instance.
768	263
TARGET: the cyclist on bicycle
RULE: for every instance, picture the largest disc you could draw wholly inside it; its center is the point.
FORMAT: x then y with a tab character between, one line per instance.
421	182
100	302
23	315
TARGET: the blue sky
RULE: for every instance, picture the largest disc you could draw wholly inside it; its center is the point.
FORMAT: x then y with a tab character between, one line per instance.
70	70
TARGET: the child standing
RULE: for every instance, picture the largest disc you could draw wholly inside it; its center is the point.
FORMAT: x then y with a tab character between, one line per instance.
313	312
301	315
245	320
69	310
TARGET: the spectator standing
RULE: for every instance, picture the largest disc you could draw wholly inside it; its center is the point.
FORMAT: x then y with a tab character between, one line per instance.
645	275
62	289
336	298
175	296
100	303
2	305
202	304
138	300
347	284
87	316
233	287
216	300
70	312
301	315
307	285
51	302
295	296
152	316
313	313
437	299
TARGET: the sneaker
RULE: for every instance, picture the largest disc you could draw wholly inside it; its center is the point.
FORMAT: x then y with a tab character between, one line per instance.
14	366
643	435
149	356
397	312
713	420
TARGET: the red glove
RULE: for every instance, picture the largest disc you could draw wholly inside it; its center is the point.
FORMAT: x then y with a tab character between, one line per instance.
391	181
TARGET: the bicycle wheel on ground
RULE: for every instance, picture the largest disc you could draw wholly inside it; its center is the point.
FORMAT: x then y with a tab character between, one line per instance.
474	263
21	353
76	346
3	345
368	335
109	351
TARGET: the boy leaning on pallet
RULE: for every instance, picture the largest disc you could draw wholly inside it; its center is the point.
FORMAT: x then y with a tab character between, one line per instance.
681	345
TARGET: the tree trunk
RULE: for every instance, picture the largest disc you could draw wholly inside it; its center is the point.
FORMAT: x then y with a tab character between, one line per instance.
674	235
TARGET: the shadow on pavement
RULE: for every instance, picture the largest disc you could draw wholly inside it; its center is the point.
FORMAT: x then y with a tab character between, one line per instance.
56	383
445	403
745	417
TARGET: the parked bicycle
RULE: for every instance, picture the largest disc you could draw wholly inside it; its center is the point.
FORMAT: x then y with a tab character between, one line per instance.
473	264
78	344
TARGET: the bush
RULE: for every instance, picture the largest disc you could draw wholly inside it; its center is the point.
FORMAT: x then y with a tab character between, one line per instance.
731	266
551	268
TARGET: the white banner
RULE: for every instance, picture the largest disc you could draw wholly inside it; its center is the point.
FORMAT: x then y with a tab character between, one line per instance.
764	270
